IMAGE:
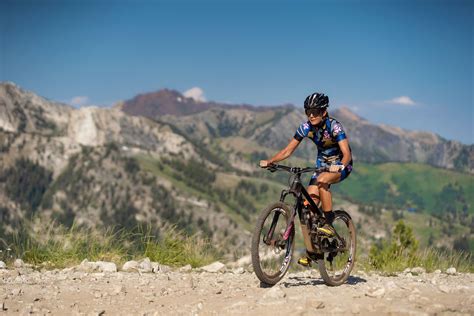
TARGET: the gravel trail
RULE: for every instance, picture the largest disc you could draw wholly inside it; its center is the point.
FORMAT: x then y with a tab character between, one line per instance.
230	292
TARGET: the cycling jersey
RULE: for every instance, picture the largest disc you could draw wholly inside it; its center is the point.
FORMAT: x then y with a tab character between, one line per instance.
326	137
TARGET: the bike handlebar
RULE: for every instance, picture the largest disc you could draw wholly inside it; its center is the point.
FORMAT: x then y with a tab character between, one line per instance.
296	170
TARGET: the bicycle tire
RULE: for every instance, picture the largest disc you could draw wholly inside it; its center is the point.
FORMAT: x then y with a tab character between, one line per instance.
346	261
266	258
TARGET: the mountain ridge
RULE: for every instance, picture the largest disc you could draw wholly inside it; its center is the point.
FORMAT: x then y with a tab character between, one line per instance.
370	142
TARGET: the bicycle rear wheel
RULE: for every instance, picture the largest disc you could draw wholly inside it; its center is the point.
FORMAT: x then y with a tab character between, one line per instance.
271	254
339	252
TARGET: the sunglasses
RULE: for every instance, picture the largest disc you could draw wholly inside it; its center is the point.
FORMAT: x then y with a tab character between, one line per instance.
315	112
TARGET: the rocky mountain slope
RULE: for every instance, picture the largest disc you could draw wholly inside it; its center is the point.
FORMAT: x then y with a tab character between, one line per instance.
272	127
80	166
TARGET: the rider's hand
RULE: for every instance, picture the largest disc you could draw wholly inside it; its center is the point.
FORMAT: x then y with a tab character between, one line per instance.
335	168
264	163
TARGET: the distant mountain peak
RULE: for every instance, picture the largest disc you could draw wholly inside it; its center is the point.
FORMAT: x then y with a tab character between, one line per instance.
162	102
13	88
163	94
346	113
9	83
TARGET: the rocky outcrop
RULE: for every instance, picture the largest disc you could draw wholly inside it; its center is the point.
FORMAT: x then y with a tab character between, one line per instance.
25	112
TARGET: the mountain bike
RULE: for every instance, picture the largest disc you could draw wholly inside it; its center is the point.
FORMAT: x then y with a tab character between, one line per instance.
273	239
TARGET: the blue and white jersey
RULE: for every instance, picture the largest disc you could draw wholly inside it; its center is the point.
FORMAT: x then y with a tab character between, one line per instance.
326	137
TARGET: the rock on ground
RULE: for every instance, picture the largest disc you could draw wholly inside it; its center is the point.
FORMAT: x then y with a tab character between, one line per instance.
130	266
451	271
18	263
274	295
186	268
418	270
99	266
377	292
214	267
145	266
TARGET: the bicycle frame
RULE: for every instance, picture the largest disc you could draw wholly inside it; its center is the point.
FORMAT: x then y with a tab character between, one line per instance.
298	191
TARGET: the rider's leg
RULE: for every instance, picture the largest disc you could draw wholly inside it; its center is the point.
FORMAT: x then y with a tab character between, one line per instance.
305	260
314	193
324	181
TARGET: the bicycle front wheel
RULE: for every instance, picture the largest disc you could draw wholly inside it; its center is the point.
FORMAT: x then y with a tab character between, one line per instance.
339	251
271	253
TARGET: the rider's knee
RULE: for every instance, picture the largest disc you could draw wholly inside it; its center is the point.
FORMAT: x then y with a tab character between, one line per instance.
323	185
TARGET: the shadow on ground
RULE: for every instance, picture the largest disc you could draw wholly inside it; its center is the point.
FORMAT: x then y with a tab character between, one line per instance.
302	281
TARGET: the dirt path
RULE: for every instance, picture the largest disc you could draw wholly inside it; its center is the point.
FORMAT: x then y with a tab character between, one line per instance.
231	293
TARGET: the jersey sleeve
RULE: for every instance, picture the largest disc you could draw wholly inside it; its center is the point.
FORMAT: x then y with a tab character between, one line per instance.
302	131
337	131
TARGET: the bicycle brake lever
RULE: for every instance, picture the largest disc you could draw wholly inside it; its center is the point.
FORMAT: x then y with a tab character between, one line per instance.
271	168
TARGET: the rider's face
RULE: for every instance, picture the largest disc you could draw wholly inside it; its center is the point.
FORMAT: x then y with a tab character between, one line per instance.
315	117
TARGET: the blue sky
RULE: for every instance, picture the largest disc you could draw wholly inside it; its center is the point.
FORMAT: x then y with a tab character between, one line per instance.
402	63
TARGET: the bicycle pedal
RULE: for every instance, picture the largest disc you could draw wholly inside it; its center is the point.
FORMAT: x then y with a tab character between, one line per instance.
305	262
324	233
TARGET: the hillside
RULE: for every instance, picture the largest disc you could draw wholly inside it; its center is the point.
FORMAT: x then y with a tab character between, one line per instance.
81	168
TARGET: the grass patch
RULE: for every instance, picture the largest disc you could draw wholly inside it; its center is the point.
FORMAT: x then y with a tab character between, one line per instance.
430	259
178	249
59	247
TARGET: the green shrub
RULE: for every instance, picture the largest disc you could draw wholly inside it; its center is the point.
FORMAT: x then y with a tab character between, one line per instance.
131	165
402	252
402	246
25	183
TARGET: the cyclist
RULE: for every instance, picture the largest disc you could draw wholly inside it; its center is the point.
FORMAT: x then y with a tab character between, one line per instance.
333	152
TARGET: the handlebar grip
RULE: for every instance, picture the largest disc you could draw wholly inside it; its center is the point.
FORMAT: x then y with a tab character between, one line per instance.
272	167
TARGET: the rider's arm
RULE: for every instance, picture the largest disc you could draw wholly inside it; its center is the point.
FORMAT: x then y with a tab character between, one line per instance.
283	154
346	152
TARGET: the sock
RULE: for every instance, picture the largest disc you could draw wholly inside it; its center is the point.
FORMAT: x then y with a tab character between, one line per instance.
329	217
